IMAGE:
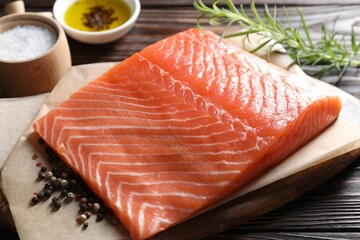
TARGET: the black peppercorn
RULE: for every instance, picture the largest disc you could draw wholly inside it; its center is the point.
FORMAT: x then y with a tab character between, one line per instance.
84	194
78	186
48	186
90	200
67	187
72	182
35	200
85	226
48	150
56	172
55	158
83	207
47	193
40	195
57	204
99	217
102	210
41	175
64	175
70	186
41	141
56	183
63	192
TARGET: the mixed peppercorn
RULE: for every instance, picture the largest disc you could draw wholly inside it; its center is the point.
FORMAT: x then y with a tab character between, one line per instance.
99	18
63	181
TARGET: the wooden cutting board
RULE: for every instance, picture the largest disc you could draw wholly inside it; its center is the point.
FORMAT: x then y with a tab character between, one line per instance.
252	204
258	202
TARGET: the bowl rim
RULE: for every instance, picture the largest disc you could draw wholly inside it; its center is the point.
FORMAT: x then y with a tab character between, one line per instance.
134	15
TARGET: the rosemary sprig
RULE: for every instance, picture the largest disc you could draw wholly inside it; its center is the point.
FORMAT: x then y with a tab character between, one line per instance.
329	51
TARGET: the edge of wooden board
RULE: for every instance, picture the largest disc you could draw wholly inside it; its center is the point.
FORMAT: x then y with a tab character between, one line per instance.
258	202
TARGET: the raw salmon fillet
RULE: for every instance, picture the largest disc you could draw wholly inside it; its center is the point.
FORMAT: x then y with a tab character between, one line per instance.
181	124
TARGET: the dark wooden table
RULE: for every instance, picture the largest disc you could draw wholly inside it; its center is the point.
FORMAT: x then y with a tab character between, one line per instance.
330	211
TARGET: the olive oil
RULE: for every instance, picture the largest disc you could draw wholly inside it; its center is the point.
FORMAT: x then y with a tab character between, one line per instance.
97	15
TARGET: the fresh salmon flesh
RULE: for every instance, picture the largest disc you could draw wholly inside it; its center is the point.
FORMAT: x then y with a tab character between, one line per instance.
181	124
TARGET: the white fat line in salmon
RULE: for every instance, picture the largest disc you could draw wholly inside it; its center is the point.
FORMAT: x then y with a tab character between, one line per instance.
137	174
239	152
161	207
170	182
81	118
158	195
125	84
177	194
118	90
218	162
144	107
176	182
168	52
182	89
117	127
240	137
137	119
89	163
158	220
167	183
102	127
232	54
133	111
130	127
68	143
275	74
227	172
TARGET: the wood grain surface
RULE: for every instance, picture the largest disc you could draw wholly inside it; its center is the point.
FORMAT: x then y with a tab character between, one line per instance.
330	211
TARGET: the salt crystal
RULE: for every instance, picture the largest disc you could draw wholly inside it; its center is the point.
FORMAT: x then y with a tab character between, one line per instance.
25	42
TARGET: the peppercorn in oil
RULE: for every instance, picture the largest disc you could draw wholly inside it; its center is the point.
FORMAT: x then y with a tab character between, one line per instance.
95	15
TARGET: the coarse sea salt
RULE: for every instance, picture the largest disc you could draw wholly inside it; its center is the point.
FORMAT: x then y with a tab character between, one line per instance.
25	42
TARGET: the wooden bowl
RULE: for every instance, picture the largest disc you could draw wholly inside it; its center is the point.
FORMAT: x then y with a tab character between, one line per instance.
39	74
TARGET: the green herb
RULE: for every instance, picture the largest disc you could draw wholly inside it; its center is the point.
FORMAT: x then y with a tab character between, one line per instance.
328	51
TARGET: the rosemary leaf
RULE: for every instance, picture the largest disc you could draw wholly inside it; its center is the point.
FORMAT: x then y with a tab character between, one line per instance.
304	26
330	51
261	46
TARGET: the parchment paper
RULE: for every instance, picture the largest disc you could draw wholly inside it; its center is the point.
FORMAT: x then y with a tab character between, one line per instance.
19	171
15	116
